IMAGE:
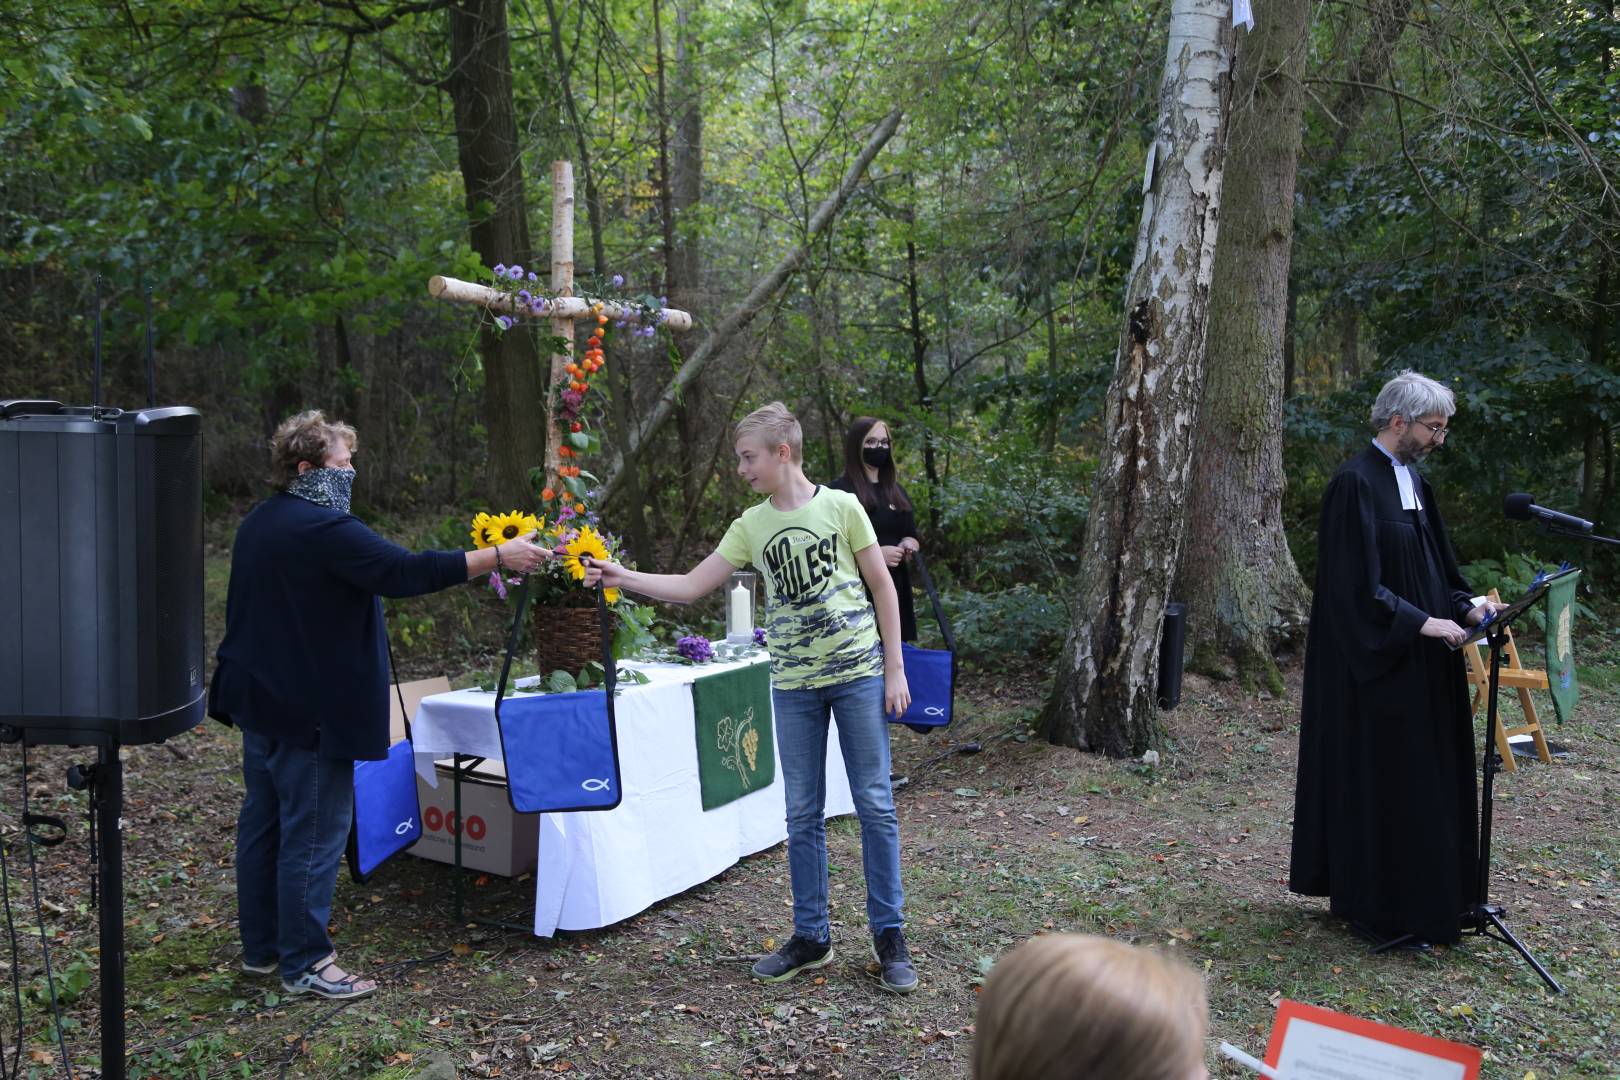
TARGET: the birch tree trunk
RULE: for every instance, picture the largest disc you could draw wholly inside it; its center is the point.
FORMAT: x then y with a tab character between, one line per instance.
1237	576
480	85
1103	697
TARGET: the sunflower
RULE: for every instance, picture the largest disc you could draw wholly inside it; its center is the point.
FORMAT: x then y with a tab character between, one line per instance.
511	525
585	542
483	531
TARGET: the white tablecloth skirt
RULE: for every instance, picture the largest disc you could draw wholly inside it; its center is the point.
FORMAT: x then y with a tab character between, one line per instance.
598	868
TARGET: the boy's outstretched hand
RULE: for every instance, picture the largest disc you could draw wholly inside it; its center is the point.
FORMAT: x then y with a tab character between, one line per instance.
598	571
896	693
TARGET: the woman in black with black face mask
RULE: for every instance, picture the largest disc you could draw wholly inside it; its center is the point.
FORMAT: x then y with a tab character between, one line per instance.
869	473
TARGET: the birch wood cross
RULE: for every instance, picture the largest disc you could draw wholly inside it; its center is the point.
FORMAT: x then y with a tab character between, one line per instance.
563	307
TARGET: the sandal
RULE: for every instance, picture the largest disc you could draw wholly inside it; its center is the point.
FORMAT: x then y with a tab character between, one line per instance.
342	987
260	969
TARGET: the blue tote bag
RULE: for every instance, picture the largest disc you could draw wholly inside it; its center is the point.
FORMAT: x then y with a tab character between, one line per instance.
930	673
387	815
561	750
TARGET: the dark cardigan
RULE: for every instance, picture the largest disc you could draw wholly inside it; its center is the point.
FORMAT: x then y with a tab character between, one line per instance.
305	657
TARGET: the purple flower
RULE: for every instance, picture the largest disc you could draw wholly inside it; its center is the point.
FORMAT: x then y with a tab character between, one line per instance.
523	296
591	518
500	269
663	301
618	281
503	322
696	648
497	584
515	273
759	636
572	398
533	276
566	513
538	307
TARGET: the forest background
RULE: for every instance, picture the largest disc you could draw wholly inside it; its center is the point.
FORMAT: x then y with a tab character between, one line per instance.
285	175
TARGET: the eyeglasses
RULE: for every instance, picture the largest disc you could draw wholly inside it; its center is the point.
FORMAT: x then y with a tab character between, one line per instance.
1438	431
874	444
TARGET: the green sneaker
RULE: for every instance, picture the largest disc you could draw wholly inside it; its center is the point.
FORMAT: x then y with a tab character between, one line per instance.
799	954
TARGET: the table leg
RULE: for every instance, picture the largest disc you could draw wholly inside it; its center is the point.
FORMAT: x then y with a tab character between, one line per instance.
455	835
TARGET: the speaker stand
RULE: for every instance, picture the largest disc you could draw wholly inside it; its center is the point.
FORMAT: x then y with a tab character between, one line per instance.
105	781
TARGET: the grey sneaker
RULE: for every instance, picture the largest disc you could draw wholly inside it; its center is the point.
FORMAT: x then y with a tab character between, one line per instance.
799	954
889	947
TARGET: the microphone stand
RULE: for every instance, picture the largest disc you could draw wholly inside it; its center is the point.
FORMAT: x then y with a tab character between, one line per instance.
1562	533
1483	918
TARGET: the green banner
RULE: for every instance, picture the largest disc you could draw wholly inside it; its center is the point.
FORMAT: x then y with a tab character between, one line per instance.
1561	680
736	750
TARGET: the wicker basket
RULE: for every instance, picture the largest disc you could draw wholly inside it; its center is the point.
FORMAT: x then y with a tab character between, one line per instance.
566	637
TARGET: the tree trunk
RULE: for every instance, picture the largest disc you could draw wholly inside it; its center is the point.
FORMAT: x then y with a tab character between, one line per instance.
1593	497
1289	371
1238	578
743	314
1104	694
480	86
1349	321
682	192
919	373
1386	24
686	163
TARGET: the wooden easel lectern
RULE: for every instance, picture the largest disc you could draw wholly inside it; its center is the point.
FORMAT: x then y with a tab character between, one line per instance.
1514	674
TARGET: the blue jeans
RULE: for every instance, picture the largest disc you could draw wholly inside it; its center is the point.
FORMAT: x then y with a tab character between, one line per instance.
290	839
863	736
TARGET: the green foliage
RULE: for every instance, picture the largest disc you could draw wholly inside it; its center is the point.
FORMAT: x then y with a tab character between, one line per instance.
632	631
1021	621
71	978
1511	576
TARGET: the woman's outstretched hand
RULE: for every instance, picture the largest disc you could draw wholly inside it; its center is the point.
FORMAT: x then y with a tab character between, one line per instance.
523	555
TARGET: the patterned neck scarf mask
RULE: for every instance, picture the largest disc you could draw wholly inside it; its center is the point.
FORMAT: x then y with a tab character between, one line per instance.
325	487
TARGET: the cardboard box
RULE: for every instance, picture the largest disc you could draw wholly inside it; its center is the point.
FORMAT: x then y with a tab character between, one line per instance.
413	693
497	840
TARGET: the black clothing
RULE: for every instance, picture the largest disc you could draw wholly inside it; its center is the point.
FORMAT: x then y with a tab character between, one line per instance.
1385	812
304	660
892	526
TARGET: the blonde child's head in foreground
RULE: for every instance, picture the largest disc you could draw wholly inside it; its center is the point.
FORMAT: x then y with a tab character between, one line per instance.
1067	1007
770	447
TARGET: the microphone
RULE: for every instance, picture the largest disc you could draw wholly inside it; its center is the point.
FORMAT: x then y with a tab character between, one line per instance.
1522	507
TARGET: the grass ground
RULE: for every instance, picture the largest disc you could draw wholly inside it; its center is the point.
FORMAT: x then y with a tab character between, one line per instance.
1012	841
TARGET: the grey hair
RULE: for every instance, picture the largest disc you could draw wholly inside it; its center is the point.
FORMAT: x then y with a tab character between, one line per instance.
1411	395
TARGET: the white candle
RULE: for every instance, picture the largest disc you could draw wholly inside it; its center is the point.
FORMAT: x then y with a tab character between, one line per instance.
742	612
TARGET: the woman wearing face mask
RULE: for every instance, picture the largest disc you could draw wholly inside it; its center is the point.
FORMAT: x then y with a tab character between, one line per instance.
303	672
869	473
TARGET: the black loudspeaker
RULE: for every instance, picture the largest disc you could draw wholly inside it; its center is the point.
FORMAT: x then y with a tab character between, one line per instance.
1172	644
101	573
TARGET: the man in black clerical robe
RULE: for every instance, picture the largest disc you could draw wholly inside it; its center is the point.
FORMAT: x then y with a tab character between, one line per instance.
1385	813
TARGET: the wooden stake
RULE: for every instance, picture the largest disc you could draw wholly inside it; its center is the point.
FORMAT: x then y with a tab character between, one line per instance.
562	284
